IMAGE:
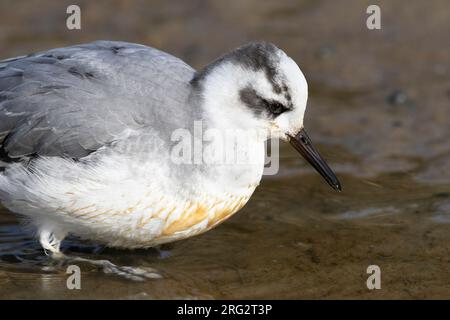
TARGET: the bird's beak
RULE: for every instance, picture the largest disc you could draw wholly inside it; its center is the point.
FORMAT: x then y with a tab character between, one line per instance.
302	143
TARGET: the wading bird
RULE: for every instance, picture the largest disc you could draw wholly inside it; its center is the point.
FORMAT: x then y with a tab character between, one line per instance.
85	138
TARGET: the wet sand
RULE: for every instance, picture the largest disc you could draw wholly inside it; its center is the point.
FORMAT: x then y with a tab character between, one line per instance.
378	111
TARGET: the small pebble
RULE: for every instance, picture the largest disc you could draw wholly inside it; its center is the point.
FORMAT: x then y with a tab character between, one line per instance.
398	97
397	123
441	194
325	51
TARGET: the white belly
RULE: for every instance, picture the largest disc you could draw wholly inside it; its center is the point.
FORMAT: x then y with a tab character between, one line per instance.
123	204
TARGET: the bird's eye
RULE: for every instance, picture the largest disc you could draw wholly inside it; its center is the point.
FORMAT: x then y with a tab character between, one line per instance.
276	108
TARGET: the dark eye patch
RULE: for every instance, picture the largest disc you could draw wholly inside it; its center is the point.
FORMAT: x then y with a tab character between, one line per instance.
260	105
275	107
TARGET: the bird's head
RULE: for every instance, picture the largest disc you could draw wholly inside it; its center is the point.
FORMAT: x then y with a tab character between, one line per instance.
258	86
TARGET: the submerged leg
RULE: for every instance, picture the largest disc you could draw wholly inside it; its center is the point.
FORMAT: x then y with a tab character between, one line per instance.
51	242
131	273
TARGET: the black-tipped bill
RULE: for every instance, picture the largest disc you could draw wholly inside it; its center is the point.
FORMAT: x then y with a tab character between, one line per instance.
302	143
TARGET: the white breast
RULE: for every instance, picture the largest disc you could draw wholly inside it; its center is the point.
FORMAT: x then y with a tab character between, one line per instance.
124	203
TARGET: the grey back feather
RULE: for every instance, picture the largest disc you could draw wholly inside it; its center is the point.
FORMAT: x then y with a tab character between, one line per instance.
71	101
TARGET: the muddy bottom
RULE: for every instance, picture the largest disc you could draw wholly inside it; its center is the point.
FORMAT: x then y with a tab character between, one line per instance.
296	238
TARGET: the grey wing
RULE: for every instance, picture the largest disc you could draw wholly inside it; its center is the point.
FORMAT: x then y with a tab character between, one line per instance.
71	101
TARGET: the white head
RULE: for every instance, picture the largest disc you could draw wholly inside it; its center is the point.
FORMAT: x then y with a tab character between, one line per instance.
257	86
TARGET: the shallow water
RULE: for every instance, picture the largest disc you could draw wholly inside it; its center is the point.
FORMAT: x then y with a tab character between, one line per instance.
378	111
295	239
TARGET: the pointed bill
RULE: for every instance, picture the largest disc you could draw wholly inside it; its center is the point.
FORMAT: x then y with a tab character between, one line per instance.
302	143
